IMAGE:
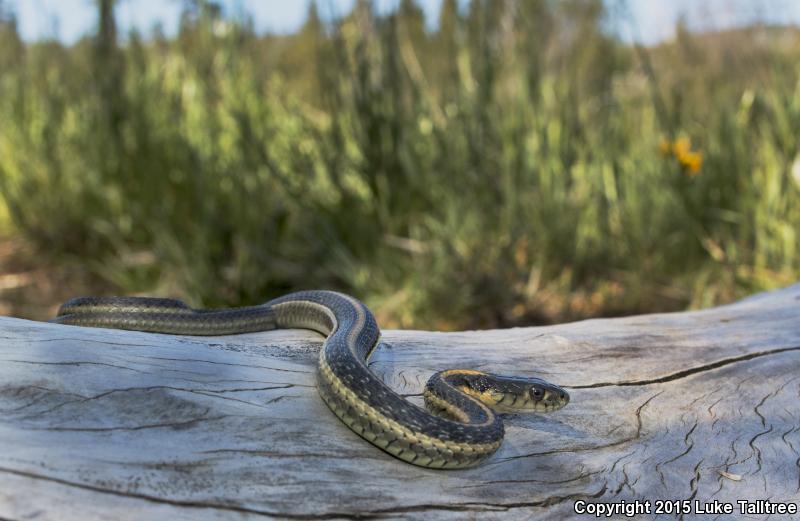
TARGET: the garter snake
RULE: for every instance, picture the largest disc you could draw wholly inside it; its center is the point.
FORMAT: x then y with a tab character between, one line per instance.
463	428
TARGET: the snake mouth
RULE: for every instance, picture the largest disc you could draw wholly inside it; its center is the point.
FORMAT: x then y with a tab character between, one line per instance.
553	405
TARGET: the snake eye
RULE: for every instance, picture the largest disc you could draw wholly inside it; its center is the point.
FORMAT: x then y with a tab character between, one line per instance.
537	393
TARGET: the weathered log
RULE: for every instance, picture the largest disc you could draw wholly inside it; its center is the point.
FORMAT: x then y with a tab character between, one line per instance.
102	424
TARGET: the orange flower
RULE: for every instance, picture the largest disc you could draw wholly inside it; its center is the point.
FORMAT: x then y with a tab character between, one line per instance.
681	150
681	147
691	161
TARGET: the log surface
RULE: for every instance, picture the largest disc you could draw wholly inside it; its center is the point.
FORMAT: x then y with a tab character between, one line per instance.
103	424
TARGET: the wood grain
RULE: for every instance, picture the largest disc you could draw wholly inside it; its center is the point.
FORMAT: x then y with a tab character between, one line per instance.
102	424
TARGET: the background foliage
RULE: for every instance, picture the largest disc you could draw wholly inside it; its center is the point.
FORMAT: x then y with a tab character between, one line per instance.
517	165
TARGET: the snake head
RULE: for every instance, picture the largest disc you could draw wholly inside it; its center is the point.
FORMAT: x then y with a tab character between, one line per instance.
512	394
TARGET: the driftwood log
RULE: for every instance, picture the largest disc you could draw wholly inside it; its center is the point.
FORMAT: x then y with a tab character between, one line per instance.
102	424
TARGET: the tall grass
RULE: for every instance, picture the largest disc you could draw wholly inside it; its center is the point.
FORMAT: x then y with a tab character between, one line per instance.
516	166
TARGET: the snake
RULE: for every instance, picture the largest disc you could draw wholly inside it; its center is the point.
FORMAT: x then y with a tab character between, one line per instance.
459	427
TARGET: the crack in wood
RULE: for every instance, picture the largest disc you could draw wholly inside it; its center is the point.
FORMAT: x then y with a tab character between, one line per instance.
689	445
688	372
624	472
756	450
173	425
211	393
73	363
215	362
792	448
580	476
471	506
693	483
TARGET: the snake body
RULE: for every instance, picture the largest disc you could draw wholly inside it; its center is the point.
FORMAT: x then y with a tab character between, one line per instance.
461	431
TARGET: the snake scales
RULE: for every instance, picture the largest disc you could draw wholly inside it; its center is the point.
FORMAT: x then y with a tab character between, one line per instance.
463	428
